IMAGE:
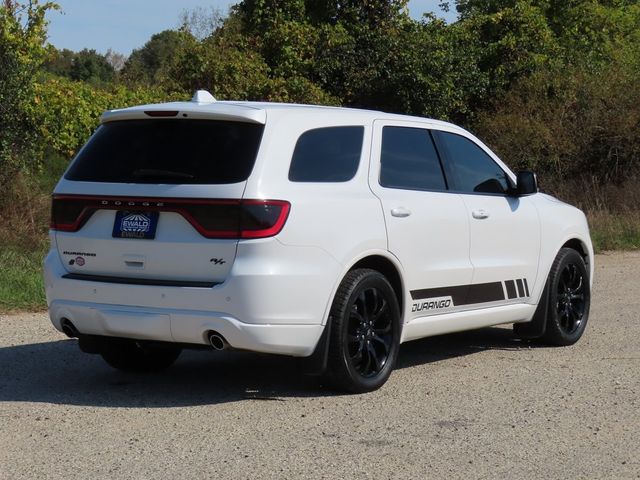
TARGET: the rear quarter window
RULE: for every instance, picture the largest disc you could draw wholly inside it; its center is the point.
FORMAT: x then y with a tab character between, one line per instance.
330	154
169	151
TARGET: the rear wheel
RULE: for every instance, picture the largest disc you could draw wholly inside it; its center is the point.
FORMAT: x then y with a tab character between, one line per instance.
133	356
365	332
569	299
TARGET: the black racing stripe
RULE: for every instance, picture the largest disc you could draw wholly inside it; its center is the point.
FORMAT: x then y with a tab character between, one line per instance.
511	288
485	292
457	293
526	287
464	294
520	287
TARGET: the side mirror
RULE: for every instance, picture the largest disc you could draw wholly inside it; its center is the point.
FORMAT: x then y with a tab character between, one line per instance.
527	183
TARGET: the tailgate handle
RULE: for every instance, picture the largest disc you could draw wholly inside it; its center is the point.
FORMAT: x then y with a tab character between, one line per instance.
134	264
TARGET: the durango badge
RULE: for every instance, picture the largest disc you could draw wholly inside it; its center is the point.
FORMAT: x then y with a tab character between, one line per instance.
432	304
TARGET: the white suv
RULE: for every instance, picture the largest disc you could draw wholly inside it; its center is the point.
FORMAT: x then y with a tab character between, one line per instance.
329	233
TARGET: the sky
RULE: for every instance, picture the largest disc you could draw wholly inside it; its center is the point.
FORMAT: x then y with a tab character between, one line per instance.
123	25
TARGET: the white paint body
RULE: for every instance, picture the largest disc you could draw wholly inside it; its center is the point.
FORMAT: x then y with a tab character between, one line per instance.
274	294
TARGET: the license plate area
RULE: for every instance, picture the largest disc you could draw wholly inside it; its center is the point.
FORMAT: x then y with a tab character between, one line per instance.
134	224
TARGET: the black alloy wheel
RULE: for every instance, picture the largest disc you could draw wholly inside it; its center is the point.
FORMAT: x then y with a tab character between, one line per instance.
569	298
369	332
570	304
365	332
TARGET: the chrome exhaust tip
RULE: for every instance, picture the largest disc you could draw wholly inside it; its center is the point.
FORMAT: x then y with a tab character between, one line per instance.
217	341
69	328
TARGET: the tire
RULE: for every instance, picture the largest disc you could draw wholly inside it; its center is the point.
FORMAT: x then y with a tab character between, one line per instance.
365	332
569	299
132	356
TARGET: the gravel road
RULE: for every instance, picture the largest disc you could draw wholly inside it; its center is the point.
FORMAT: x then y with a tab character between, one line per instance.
471	405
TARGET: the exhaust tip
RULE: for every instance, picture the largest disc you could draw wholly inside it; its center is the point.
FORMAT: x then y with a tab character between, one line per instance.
217	341
69	329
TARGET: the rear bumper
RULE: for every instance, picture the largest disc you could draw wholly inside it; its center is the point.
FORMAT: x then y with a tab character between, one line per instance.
184	327
275	300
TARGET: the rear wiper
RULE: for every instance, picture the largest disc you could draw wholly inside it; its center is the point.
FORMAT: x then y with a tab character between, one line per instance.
153	173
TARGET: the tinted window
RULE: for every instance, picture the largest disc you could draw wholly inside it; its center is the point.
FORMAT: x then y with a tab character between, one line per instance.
329	154
475	171
169	151
409	160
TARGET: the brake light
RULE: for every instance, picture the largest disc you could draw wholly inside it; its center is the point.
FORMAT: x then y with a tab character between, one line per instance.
161	113
233	219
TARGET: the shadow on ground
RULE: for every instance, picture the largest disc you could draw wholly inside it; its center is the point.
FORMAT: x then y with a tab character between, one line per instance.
57	372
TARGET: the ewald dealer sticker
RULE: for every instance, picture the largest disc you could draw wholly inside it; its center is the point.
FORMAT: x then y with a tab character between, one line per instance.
135	225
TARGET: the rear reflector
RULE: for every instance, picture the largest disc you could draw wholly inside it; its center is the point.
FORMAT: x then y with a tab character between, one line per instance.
234	219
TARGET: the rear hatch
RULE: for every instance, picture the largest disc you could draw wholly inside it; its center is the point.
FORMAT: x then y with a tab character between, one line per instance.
160	201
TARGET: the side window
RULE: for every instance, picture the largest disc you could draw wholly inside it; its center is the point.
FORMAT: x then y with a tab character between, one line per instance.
329	154
475	171
409	160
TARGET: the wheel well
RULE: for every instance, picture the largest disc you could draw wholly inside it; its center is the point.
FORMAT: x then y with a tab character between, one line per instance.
579	247
386	268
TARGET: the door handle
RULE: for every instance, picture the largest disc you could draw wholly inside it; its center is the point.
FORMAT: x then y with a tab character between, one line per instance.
400	212
480	214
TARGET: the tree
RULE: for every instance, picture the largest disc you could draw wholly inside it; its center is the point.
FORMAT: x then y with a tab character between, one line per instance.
91	67
201	22
149	63
59	62
115	60
22	52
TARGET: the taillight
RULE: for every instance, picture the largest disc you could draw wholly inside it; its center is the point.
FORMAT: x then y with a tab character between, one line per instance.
263	218
69	214
236	218
232	219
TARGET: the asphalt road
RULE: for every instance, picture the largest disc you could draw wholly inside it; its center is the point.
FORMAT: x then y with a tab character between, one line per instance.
471	405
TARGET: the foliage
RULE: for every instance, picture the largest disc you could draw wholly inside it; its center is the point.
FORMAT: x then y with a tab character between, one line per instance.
230	67
85	65
575	123
67	111
550	83
148	65
22	37
91	67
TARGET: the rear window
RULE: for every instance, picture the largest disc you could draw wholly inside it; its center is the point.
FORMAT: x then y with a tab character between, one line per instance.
329	154
169	151
409	160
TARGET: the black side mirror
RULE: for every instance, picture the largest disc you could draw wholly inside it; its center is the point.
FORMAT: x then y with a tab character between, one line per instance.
527	183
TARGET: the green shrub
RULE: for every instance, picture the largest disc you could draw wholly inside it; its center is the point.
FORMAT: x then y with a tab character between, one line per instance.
570	125
66	112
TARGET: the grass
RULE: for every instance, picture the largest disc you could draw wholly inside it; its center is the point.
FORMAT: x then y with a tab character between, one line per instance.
21	283
24	220
614	231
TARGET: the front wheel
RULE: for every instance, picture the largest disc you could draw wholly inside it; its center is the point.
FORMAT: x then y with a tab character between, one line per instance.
365	332
133	356
569	299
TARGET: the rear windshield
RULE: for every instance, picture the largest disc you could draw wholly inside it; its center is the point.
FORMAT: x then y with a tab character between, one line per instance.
169	151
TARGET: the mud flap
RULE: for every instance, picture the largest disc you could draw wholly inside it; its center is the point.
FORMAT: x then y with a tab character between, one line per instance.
538	324
316	364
